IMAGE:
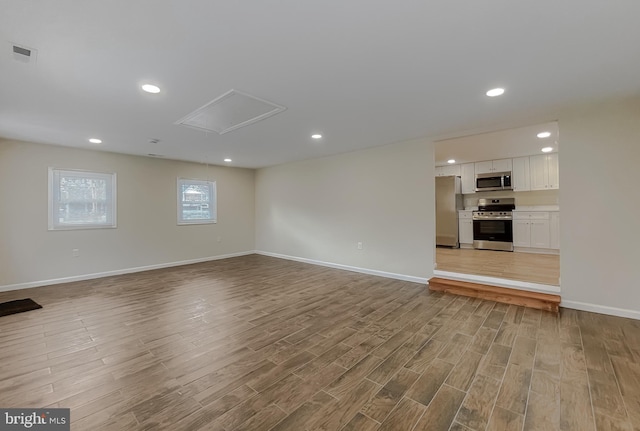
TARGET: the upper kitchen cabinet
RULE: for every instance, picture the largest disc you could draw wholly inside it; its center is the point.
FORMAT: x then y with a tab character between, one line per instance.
544	172
448	170
554	171
502	165
468	174
520	175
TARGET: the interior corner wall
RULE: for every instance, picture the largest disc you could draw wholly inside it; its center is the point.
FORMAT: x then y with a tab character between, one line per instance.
147	233
319	210
599	201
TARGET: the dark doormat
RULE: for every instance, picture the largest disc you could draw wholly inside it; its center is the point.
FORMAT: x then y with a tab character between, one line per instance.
18	306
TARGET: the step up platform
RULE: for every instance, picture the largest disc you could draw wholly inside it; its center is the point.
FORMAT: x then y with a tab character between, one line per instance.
541	301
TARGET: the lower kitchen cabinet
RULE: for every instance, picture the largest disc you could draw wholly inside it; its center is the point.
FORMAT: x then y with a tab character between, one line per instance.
554	230
532	230
540	234
465	227
521	233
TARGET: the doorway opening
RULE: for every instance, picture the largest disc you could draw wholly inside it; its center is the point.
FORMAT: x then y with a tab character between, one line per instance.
522	165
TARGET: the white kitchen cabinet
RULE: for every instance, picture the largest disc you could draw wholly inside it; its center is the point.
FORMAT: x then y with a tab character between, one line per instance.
465	227
540	234
521	233
489	166
554	230
502	165
483	167
531	229
468	174
539	172
520	175
448	170
544	172
554	171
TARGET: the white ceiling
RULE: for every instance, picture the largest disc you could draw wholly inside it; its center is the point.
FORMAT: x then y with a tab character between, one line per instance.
502	144
363	73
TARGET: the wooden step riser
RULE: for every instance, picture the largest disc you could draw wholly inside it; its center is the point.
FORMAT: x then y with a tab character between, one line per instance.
504	295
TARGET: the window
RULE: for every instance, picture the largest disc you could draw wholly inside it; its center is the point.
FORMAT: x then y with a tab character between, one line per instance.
196	201
81	199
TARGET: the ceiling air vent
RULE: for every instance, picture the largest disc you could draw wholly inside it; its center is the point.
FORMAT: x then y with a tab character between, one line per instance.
230	111
22	51
24	54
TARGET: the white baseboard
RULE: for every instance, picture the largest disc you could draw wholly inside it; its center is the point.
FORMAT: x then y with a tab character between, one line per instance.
39	283
602	309
583	306
385	274
543	288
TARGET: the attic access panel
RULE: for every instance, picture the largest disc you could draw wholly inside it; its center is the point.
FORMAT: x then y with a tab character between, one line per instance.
232	110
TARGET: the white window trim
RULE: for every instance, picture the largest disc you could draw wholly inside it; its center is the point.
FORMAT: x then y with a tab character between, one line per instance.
109	176
214	204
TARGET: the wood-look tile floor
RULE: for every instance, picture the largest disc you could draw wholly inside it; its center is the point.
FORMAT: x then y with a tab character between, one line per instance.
258	343
531	267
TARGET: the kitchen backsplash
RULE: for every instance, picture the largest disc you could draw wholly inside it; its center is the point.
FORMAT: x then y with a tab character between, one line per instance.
533	198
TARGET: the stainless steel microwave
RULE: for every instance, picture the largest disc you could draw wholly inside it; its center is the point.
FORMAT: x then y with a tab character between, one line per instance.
493	181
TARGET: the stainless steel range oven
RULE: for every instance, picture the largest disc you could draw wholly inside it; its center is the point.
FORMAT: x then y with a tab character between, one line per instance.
493	224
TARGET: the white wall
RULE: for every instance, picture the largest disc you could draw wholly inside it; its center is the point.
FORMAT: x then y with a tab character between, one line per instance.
599	200
147	233
530	198
319	209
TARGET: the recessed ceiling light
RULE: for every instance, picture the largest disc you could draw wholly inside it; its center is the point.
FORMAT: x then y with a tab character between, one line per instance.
495	92
451	161
547	149
316	136
95	141
149	88
228	160
543	135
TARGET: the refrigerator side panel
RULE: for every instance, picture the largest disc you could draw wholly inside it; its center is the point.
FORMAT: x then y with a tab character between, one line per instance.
447	201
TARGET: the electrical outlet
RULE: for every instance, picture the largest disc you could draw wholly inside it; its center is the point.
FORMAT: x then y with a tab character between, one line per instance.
75	252
359	245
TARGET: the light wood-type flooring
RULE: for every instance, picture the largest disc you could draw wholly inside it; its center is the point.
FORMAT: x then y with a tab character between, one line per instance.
531	267
258	343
